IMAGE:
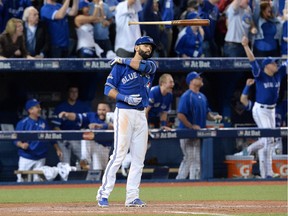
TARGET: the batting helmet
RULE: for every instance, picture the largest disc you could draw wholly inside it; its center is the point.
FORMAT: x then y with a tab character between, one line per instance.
145	40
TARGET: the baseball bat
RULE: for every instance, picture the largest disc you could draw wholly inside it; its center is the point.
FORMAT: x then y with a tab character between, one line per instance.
193	22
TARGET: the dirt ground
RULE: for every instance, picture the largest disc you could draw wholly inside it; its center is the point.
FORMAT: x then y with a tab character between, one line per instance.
215	208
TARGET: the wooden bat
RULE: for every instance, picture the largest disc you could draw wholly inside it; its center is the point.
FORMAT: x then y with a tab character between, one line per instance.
192	22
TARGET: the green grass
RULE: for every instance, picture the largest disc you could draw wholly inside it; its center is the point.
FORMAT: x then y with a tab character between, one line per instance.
175	193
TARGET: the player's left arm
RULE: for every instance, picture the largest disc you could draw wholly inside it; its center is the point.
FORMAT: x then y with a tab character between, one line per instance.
143	66
58	150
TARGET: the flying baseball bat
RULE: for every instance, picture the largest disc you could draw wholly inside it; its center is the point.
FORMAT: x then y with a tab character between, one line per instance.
193	22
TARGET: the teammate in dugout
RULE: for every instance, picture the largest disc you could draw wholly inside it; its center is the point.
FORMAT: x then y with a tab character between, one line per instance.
160	99
32	154
96	154
192	113
267	79
259	145
129	83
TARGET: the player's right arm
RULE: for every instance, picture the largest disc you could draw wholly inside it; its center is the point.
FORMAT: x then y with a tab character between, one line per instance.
244	96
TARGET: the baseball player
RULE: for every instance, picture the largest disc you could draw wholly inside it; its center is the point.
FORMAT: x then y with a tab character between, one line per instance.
258	145
160	99
96	154
72	104
192	113
267	79
129	83
32	154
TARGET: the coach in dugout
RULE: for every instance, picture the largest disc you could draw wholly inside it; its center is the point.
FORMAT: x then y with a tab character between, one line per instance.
32	154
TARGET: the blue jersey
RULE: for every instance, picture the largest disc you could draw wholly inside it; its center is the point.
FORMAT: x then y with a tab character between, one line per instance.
189	43
195	107
85	119
37	149
158	102
78	107
211	12
267	87
13	8
128	81
58	29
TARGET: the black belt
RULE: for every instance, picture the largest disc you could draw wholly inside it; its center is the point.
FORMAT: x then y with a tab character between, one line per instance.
267	107
139	108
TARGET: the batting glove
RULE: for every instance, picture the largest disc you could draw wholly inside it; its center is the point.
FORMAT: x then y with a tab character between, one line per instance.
133	100
119	60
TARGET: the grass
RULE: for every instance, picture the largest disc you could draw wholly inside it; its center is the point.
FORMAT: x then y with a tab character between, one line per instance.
175	193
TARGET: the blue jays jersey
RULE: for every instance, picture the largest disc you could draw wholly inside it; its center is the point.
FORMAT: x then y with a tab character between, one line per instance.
195	107
37	149
158	102
189	43
267	87
58	29
63	124
85	119
128	81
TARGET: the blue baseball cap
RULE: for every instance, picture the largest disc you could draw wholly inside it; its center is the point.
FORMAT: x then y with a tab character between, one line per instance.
192	15
82	4
192	75
145	40
31	103
268	60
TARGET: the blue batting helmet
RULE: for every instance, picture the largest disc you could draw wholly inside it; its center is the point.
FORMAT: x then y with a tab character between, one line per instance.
145	40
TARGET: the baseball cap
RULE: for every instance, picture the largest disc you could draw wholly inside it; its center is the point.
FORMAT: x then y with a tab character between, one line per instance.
82	4
192	15
268	60
31	103
145	40
192	75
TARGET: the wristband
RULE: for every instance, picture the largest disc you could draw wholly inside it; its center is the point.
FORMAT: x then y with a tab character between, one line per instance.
120	97
246	90
163	123
127	61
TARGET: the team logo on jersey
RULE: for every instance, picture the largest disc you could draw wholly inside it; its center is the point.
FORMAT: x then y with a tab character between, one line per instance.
129	77
110	76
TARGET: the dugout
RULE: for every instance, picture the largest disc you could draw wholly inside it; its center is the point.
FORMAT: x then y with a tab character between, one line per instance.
47	80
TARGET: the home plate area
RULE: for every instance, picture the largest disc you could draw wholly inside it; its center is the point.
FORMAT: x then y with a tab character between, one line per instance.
215	208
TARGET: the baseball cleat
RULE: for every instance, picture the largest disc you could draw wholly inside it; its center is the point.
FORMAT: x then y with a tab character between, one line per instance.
103	202
275	175
136	203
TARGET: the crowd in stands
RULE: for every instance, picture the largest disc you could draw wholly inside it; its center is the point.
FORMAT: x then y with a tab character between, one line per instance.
99	28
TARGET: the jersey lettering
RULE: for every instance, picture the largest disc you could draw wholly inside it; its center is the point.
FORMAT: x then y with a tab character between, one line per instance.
129	77
271	85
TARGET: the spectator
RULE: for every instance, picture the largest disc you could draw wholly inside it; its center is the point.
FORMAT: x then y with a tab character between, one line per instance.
193	111
36	35
221	28
208	10
72	104
167	12
190	40
13	9
55	16
12	40
97	154
101	27
150	12
239	24
160	100
284	36
192	8
86	46
126	35
268	36
32	154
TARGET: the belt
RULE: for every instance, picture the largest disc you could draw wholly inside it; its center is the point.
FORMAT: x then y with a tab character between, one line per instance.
139	108
267	107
